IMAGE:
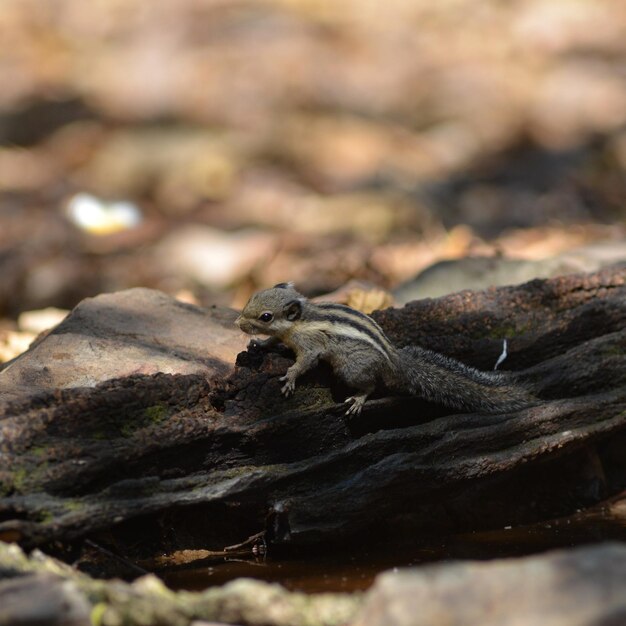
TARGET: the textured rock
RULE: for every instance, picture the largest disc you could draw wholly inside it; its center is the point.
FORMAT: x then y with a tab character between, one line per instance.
139	331
168	462
580	587
483	272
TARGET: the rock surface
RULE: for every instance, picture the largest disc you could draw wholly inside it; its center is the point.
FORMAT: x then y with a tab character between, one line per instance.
579	587
168	462
482	272
139	331
42	600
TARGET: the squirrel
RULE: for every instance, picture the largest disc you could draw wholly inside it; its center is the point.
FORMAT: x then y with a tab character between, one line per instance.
361	355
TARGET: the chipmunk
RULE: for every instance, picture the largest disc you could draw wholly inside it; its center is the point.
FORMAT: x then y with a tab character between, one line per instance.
360	353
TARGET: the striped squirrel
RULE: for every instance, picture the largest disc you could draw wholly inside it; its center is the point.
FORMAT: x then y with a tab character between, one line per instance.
362	356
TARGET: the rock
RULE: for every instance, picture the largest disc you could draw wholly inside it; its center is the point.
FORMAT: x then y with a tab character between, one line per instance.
580	587
42	600
216	461
40	591
449	276
577	587
138	331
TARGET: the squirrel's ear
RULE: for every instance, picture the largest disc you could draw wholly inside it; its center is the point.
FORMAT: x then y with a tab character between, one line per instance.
293	310
283	285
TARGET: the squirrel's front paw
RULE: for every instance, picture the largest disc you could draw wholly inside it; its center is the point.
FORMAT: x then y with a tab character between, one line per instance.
289	386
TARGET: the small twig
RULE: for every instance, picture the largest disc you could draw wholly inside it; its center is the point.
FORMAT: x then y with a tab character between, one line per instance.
117	557
246	561
248	542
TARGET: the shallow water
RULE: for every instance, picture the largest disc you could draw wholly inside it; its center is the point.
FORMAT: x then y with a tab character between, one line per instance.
357	570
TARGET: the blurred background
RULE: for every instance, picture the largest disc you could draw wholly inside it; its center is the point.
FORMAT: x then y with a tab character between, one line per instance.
211	147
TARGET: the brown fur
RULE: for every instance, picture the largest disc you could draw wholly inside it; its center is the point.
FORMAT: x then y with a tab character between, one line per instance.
362	356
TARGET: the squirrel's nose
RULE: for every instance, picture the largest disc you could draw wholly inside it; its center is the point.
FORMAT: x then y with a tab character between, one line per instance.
238	321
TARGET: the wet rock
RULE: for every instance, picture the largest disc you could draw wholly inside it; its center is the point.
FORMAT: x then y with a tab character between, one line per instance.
580	587
41	591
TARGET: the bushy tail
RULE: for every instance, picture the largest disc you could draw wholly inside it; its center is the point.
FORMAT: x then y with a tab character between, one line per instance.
443	380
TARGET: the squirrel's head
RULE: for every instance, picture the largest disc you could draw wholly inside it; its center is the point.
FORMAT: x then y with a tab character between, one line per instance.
272	311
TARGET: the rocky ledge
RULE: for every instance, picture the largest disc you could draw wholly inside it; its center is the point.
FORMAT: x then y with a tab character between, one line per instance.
130	423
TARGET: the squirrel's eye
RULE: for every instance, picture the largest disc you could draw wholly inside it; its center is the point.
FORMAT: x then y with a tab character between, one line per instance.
266	317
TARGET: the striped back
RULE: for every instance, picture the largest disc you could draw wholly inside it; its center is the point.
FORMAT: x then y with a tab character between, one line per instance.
344	321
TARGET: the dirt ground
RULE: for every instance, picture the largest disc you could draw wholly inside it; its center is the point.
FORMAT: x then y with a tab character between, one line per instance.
207	148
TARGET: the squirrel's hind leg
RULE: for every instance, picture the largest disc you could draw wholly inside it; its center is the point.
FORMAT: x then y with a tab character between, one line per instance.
359	369
357	402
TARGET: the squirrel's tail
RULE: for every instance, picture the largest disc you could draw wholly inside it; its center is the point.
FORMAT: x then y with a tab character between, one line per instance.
443	380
